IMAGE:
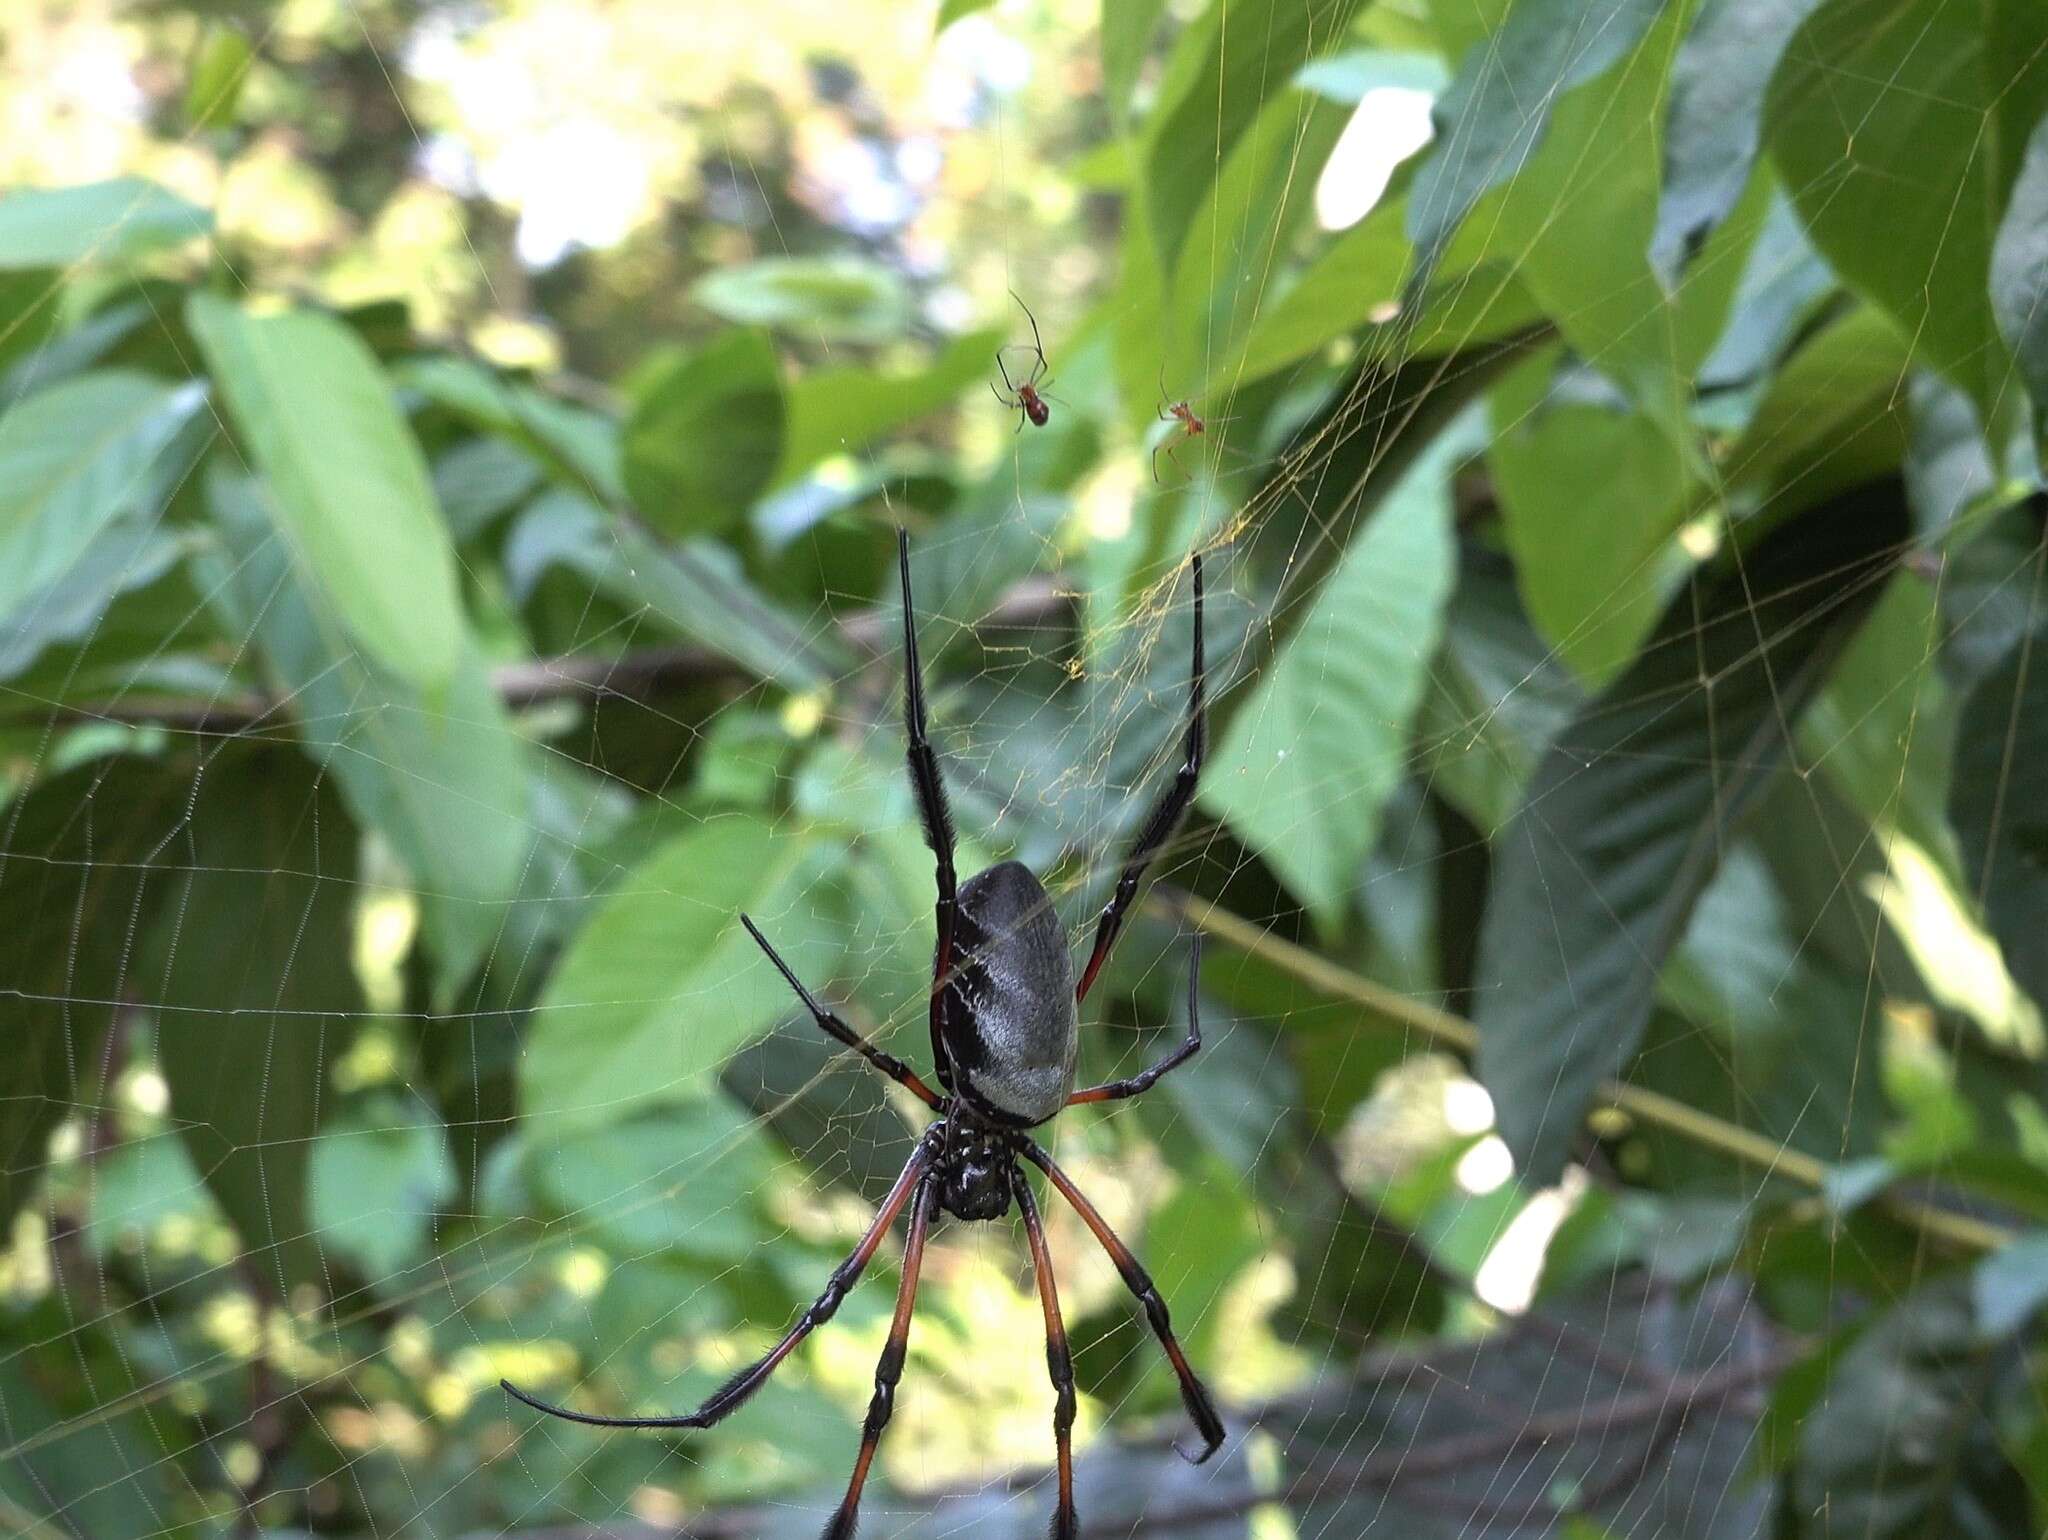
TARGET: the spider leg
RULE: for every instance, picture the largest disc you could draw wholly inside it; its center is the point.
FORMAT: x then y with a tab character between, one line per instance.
999	395
750	1379
1037	342
1167	813
889	1368
1058	1360
832	1026
1144	1080
1005	373
931	798
1192	1394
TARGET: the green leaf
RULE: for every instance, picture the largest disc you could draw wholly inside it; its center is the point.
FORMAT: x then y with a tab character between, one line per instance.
1350	77
1902	1445
661	985
684	1180
1239	233
1310	758
107	222
1356	279
75	1466
75	884
951	11
1127	29
579	445
220	68
1497	110
696	591
706	437
443	778
249	963
2011	1285
2019	272
1496	697
1224	67
1897	127
124	558
830	299
1591	494
1831	417
73	459
1998	800
351	493
1714	125
378	1174
1620	832
1379	424
837	411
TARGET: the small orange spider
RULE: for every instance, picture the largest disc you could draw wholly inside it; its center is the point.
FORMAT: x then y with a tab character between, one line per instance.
1191	426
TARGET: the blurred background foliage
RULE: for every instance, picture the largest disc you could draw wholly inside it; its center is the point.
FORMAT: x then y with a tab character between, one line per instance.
450	458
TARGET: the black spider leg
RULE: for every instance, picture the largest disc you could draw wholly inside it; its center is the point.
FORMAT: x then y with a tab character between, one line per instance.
750	1379
1144	1080
1192	1394
832	1026
889	1368
1059	1361
931	803
1165	815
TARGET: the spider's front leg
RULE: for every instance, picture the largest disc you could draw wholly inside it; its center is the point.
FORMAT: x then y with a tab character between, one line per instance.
932	808
1159	825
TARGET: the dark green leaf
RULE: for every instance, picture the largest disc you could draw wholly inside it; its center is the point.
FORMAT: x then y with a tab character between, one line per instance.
75	888
352	496
1356	279
707	436
1947	88
124	557
249	964
1999	803
106	222
1622	827
1900	1445
580	445
72	1469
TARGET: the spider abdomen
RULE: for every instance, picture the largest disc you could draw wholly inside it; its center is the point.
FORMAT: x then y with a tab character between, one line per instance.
1007	1009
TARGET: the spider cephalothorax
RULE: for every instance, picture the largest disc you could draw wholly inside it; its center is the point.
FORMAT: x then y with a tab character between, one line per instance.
1004	1040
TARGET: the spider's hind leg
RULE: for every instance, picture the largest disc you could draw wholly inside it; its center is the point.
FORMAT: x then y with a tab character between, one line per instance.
1193	1394
889	1368
1059	1360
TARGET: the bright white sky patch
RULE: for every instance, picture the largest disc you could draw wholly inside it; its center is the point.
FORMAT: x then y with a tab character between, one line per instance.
1391	124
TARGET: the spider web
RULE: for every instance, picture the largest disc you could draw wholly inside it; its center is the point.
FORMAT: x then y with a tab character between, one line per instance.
605	1159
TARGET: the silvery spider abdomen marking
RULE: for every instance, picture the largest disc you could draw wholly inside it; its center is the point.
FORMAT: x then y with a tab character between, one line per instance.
1007	1011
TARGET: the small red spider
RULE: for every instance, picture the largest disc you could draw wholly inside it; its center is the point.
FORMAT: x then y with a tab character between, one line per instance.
1027	398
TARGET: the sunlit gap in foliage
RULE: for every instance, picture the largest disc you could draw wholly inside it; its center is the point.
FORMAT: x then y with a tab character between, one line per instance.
1391	124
